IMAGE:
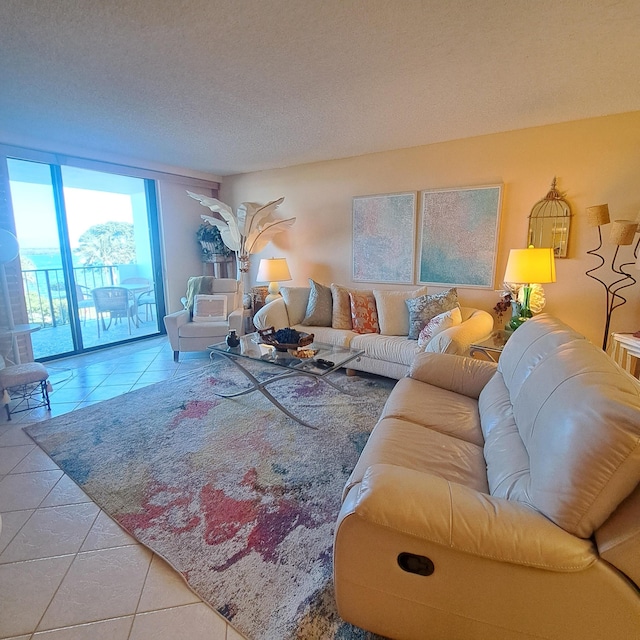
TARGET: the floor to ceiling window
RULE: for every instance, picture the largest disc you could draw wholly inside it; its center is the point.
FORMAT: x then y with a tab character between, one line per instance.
89	255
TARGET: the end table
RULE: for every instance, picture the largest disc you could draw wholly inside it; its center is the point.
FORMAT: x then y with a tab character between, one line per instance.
491	347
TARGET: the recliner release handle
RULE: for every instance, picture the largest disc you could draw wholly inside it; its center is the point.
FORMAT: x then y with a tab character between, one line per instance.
412	563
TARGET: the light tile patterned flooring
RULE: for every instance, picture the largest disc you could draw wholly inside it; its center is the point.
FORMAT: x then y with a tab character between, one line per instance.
67	571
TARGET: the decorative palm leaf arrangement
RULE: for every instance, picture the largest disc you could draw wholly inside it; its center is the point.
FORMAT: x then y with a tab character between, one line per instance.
247	231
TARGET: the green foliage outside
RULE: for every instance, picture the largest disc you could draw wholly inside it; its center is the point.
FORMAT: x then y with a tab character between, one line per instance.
107	243
110	243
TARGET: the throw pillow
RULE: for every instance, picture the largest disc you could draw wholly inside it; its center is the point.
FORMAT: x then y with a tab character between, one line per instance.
320	305
296	299
364	315
438	324
422	309
393	314
209	308
341	314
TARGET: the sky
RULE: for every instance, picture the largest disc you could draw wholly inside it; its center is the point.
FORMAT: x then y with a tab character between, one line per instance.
35	218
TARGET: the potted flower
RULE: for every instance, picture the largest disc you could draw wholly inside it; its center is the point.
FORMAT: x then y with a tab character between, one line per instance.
213	248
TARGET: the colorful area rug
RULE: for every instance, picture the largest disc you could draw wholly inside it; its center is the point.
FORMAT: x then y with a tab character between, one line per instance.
239	498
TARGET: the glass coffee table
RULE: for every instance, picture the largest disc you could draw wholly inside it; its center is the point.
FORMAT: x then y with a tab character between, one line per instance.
327	359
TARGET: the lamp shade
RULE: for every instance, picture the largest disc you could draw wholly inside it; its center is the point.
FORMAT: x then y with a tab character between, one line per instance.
622	232
273	270
531	266
598	215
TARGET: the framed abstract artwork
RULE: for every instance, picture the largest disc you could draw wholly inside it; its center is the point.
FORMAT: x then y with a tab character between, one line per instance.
458	236
384	238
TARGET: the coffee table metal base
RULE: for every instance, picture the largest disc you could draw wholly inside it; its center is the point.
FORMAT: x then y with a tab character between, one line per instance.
261	386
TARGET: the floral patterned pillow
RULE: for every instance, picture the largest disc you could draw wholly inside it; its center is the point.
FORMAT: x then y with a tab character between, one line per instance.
364	315
438	324
422	309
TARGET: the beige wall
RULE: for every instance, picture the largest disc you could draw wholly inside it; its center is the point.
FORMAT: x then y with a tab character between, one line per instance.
595	161
179	221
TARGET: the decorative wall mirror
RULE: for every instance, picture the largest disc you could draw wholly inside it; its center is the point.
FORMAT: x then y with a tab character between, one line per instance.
549	222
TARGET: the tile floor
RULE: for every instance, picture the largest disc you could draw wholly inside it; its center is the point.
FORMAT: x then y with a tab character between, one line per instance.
67	571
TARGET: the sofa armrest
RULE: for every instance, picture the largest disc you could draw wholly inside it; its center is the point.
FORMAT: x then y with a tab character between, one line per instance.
432	509
458	339
460	374
236	320
172	323
273	315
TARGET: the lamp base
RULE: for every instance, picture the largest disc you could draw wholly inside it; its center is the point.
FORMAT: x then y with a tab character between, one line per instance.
274	292
514	323
519	315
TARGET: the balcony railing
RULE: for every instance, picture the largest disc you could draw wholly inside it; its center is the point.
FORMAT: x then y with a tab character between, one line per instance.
45	292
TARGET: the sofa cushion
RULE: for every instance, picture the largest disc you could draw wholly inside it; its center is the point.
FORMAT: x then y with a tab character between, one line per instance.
386	348
341	312
204	329
439	409
423	308
413	446
393	314
506	456
319	307
439	323
296	299
328	335
364	316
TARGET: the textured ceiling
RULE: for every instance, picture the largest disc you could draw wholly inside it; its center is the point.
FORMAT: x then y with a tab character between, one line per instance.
230	86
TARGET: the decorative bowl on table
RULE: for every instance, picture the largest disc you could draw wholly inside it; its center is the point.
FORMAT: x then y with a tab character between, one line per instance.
303	352
285	339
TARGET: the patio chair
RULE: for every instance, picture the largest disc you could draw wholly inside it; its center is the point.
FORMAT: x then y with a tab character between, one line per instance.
117	303
85	301
147	299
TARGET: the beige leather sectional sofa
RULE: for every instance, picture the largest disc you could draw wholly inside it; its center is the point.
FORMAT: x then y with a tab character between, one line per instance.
385	355
499	502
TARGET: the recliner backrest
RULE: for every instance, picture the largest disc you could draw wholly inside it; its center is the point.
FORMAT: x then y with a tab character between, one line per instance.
228	287
577	416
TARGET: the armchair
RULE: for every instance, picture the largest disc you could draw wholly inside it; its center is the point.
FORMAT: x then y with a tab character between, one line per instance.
187	335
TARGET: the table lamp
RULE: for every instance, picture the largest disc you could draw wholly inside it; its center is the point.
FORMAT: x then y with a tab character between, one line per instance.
273	270
527	267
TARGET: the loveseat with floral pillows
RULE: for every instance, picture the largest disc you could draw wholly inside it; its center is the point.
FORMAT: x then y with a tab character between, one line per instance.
390	326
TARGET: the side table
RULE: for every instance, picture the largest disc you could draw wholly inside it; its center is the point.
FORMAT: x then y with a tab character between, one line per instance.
492	347
12	335
625	350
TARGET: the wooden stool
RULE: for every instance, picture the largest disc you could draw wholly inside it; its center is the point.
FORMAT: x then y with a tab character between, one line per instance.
28	384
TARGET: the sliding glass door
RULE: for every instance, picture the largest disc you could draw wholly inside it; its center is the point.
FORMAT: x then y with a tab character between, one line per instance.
33	198
88	247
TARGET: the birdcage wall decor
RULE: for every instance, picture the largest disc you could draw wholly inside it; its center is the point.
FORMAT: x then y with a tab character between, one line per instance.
549	223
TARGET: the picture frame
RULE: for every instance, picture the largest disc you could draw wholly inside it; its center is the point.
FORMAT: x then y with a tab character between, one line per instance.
384	238
458	236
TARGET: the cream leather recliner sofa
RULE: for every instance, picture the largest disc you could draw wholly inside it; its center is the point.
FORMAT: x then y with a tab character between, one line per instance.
499	502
